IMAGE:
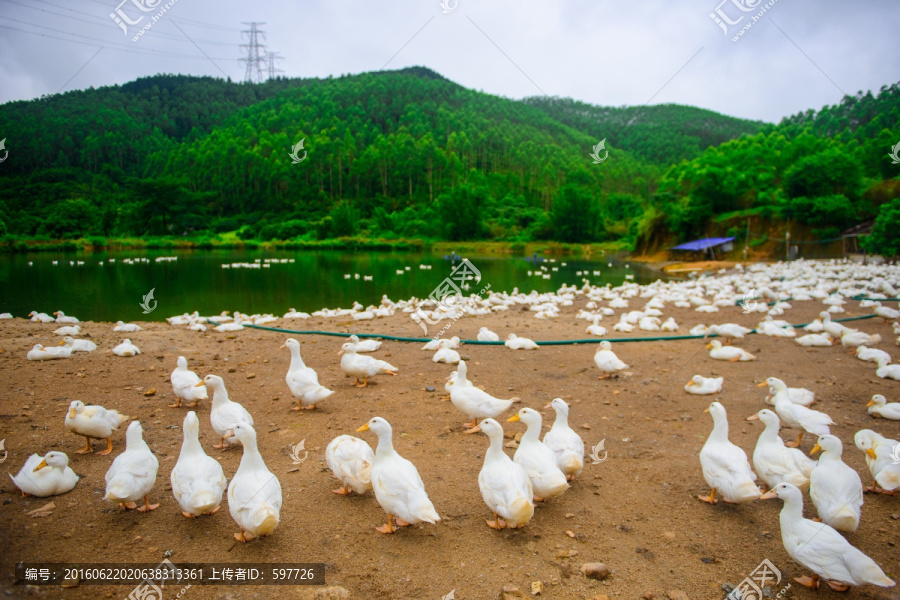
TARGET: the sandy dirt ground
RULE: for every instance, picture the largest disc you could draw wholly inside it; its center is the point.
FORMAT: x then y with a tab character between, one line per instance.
637	511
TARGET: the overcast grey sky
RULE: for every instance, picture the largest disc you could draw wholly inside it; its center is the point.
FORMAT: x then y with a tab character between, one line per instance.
798	55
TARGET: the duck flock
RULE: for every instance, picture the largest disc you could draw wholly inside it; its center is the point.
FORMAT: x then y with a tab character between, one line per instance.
541	469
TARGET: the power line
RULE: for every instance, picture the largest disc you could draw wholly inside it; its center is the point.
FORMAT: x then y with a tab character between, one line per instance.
97	44
256	52
105	4
99	22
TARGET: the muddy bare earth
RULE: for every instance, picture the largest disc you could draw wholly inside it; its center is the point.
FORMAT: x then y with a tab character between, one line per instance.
637	511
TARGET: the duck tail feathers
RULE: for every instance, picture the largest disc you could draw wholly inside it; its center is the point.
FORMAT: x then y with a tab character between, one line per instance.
205	501
265	518
423	509
521	511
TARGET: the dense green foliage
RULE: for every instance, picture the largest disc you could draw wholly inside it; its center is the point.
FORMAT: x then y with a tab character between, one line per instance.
885	237
826	170
408	154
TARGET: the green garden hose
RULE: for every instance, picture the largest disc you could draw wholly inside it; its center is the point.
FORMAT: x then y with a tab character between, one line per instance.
543	343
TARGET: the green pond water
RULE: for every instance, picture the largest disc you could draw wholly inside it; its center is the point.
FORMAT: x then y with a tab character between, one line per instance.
314	280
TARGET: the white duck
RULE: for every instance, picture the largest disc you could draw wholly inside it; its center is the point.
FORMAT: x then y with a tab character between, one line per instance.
126	348
126	327
725	465
538	460
795	415
198	480
699	330
398	487
607	361
815	327
872	354
515	342
236	325
833	328
474	402
729	331
254	494
303	381
38	352
821	549
39	317
773	461
801	396
880	458
68	330
886	313
878	406
78	345
595	329
225	413
293	314
48	475
93	422
486	335
772	329
670	325
436	344
729	353
815	340
504	485
362	367
704	386
364	345
566	444
888	371
185	385
350	460
835	489
133	473
62	318
852	339
446	355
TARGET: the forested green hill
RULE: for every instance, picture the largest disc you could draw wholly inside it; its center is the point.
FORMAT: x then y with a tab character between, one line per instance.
662	134
410	154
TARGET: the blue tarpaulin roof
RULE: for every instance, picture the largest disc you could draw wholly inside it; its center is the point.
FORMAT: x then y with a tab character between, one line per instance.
703	244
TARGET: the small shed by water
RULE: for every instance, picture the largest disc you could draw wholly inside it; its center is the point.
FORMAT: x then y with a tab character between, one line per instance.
707	247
